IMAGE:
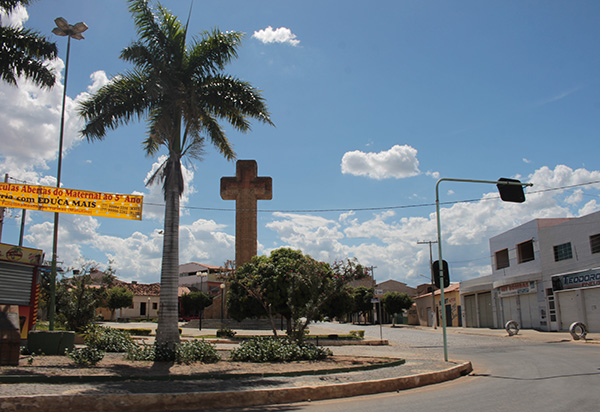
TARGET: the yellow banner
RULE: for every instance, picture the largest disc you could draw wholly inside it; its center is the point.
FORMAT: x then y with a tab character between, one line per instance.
80	202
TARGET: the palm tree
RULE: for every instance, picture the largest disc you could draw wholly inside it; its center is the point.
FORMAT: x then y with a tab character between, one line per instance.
183	93
24	52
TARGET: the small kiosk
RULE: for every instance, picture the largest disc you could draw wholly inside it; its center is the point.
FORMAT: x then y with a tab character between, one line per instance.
19	294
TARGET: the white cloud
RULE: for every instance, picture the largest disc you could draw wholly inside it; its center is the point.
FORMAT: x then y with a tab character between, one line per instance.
30	119
16	19
279	35
398	162
390	243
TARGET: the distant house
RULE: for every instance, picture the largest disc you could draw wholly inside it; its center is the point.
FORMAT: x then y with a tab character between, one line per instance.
202	278
426	309
395	286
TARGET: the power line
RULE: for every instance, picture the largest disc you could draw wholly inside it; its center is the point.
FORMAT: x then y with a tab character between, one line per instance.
367	209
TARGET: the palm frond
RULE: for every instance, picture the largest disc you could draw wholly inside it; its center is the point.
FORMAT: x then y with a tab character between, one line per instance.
120	101
25	53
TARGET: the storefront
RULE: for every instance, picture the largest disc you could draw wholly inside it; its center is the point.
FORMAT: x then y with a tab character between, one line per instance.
578	298
520	301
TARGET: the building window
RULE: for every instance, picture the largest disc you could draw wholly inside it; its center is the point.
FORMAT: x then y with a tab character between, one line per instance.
502	259
595	243
154	306
525	251
563	252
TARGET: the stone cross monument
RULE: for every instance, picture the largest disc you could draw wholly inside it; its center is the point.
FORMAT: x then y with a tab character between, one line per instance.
246	188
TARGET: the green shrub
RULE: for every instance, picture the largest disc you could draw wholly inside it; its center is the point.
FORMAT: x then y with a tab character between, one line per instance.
225	333
358	333
139	331
107	339
85	356
186	352
271	349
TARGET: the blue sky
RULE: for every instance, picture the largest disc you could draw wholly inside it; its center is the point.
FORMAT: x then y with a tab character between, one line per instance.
372	102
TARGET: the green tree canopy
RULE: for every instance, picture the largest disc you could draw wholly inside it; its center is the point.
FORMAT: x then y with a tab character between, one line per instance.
24	52
362	299
183	92
294	285
396	302
117	298
194	303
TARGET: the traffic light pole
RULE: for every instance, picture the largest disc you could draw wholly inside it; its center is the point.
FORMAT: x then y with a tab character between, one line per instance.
498	183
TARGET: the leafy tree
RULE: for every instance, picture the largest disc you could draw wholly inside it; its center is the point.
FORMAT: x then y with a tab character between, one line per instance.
76	301
117	298
24	52
182	91
293	285
194	303
396	302
362	300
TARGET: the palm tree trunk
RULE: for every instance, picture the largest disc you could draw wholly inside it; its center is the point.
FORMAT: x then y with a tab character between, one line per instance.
167	331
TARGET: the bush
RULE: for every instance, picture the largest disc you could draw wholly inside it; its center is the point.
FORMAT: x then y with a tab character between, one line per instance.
107	339
358	333
271	349
185	352
85	356
225	333
139	331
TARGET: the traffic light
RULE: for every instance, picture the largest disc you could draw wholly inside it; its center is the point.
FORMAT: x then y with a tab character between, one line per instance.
511	193
436	273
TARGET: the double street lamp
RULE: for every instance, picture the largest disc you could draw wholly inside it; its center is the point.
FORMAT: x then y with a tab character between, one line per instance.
63	28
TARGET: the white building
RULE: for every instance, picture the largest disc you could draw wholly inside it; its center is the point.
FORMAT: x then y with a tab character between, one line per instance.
545	275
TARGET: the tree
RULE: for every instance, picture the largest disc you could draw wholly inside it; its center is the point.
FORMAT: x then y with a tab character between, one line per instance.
24	52
117	298
183	92
362	300
194	303
396	302
76	301
293	285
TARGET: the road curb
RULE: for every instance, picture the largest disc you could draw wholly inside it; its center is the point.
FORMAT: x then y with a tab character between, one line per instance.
214	400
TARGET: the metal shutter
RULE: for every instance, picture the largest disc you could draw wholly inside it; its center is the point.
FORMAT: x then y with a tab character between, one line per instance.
15	283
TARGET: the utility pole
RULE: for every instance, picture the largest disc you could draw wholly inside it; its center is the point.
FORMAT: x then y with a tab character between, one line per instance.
433	312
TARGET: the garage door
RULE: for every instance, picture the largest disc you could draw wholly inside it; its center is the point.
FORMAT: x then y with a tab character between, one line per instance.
486	314
592	308
567	304
509	309
470	311
529	311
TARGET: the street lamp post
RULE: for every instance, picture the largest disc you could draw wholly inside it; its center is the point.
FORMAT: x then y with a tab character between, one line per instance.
70	31
512	197
222	286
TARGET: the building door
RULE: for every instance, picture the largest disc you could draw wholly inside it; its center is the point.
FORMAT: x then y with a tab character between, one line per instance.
142	308
592	308
509	310
470	311
486	314
448	315
429	317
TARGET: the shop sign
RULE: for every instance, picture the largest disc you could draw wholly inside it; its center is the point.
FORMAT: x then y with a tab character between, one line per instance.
80	202
519	288
20	254
576	280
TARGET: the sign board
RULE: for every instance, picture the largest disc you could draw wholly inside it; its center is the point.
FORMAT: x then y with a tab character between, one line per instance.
576	280
80	202
519	288
21	254
379	293
375	300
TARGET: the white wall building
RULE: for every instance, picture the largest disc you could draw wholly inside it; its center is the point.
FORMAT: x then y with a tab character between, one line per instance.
546	274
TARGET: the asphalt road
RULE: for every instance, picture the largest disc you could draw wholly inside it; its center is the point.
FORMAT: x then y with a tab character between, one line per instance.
509	375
